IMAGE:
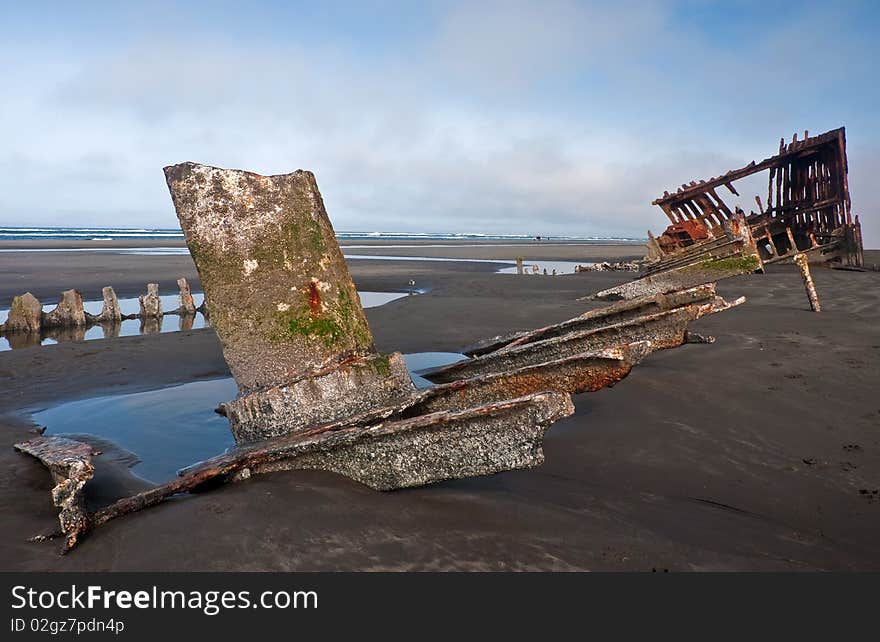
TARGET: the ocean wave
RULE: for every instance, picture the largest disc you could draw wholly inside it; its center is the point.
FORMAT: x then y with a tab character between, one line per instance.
34	233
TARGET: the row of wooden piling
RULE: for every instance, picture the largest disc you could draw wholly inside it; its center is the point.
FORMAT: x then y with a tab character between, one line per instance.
26	314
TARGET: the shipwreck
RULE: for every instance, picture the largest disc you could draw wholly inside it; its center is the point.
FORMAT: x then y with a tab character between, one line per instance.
314	393
807	212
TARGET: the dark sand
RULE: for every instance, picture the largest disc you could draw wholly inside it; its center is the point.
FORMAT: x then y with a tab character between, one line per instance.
751	453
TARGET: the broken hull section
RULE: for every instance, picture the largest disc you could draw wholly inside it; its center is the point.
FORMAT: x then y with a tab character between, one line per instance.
618	312
409	452
70	463
428	448
733	253
663	330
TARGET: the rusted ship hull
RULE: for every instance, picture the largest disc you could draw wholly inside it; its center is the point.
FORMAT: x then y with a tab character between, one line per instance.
618	312
663	330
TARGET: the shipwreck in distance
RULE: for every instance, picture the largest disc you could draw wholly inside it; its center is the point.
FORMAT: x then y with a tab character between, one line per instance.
806	211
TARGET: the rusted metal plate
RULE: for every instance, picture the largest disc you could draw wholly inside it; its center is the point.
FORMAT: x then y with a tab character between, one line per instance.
617	312
584	372
732	253
663	330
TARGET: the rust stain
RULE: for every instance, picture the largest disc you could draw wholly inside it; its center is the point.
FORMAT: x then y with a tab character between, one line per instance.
314	299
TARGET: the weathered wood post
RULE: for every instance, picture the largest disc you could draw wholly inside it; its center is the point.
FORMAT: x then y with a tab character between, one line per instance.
110	312
68	313
187	305
25	315
282	300
519	265
801	260
151	304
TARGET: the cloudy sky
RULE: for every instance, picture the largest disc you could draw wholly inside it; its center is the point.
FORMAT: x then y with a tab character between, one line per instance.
495	117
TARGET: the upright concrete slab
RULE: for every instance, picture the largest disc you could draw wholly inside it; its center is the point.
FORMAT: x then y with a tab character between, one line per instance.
281	297
282	301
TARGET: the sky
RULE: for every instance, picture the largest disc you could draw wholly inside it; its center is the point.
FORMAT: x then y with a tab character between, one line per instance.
551	117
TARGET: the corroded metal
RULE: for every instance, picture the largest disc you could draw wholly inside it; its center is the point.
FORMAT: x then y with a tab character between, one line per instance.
807	211
447	445
344	390
807	207
282	300
480	440
314	393
110	312
617	312
70	463
583	372
733	252
27	324
667	329
187	306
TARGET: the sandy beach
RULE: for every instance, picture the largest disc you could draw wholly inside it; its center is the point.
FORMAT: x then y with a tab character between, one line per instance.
758	452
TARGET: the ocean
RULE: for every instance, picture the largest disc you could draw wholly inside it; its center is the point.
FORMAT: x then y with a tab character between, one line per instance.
123	233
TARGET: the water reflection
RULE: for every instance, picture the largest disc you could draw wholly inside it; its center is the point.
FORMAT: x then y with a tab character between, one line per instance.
23	340
134	327
151	325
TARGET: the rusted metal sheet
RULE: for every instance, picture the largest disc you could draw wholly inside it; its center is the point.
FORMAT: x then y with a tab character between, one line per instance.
731	252
617	312
583	372
667	329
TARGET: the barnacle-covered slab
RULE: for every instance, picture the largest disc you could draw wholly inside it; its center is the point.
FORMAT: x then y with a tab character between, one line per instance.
409	451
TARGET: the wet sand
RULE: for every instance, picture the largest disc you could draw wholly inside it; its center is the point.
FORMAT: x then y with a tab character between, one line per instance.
45	274
758	452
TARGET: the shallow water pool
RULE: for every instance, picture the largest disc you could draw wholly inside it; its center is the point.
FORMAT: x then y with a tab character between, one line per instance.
134	327
173	427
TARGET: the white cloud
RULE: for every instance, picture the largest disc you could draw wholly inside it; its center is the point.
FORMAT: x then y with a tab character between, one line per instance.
521	118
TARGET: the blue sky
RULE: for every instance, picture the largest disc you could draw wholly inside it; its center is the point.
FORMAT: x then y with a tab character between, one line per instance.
504	117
